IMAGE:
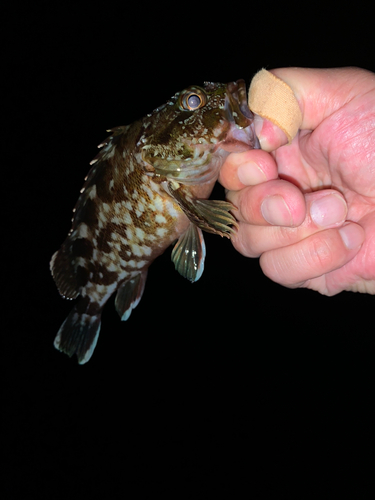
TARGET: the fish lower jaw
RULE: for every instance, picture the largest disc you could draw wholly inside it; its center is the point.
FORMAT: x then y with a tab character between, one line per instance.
239	139
202	170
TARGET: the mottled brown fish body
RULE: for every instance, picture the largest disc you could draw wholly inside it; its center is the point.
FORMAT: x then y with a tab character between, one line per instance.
145	190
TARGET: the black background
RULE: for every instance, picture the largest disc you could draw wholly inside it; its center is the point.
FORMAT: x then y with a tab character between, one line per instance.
230	383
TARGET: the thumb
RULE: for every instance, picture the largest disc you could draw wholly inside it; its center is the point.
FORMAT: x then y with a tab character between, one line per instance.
319	93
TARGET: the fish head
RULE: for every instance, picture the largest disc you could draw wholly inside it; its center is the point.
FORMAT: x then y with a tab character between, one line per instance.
188	138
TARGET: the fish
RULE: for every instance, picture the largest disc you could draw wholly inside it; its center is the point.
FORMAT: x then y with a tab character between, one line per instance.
148	188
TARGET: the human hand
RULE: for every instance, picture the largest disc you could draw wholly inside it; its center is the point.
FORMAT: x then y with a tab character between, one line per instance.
308	208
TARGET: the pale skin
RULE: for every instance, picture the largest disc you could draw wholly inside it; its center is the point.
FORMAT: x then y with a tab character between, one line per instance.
308	208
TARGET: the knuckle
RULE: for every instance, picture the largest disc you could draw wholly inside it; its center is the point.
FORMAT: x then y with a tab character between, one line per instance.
320	252
243	243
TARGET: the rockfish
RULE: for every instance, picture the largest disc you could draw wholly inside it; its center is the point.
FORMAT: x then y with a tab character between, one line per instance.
148	187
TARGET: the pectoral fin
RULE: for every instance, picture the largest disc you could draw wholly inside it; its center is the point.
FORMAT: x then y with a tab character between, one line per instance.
189	253
212	216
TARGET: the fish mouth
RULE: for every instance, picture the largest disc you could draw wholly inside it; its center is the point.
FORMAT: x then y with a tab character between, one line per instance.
237	135
236	104
241	134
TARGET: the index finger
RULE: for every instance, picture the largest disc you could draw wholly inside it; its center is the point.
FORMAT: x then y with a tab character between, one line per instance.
248	168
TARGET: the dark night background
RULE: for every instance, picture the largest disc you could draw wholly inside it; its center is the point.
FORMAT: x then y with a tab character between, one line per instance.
232	383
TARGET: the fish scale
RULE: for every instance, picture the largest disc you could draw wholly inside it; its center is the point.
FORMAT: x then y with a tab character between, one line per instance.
147	188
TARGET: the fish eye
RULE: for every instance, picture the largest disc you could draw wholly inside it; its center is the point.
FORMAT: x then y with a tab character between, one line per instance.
192	100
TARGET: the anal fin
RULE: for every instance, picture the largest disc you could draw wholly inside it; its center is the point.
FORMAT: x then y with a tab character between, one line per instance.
129	295
189	253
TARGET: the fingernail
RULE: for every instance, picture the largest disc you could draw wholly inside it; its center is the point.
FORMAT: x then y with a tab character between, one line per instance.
329	210
250	174
270	136
259	123
352	235
276	211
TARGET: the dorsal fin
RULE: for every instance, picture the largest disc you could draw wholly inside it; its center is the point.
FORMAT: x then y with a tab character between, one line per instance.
64	274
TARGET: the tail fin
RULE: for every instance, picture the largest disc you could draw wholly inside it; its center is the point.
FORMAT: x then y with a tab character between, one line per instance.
78	335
